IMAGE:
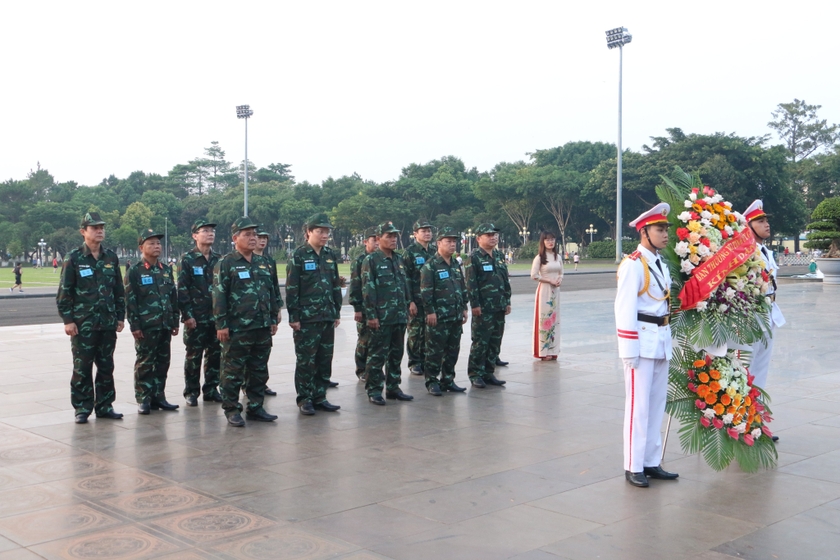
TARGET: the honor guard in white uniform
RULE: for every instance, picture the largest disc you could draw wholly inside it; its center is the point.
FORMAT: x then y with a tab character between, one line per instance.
642	312
762	351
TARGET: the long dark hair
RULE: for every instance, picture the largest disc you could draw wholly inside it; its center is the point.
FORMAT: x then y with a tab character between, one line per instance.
548	235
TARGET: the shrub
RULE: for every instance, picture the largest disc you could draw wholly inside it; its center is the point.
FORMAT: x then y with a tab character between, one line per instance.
825	228
606	249
528	251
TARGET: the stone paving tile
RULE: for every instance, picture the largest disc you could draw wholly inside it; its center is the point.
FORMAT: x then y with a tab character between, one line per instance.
128	543
211	524
46	525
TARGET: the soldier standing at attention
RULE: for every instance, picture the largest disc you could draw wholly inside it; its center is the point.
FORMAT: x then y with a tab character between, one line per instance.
245	310
642	313
151	299
445	304
488	288
356	300
91	303
313	295
195	300
416	255
262	242
386	298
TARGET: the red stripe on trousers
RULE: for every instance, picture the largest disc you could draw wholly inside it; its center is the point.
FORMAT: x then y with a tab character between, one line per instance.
632	410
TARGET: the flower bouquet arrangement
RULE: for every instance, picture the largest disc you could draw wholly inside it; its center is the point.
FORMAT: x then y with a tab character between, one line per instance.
720	309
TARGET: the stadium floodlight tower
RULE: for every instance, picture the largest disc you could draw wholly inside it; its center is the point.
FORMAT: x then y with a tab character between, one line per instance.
617	38
244	112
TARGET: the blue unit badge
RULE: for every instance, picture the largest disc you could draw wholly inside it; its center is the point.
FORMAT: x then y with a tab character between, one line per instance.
443	274
198	271
309	266
146	280
488	268
244	274
85	272
419	260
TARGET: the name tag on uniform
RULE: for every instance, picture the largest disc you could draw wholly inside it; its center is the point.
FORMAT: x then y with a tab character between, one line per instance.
309	266
198	271
146	280
85	272
488	268
443	274
419	260
244	274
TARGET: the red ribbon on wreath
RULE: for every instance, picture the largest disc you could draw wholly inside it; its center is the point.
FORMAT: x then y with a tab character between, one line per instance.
708	276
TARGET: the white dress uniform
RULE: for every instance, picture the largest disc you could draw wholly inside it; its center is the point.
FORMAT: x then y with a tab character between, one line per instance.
762	351
642	309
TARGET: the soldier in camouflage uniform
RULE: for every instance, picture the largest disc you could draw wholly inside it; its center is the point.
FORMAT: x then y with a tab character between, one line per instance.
195	300
488	288
262	242
313	295
445	303
245	310
151	301
416	255
386	298
91	303
356	300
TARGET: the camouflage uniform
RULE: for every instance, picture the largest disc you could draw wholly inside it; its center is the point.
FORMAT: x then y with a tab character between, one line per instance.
415	257
263	232
152	307
313	295
386	297
91	295
245	302
195	284
362	330
488	287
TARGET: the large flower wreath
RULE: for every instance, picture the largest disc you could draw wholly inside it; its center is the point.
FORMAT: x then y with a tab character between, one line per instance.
720	310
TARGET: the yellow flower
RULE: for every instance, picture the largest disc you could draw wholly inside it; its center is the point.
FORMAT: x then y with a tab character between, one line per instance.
694	225
692	248
731	391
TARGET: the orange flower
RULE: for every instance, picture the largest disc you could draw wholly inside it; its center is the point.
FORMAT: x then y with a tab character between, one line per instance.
738	400
731	410
697	208
703	377
699	363
714	386
730	217
758	419
747	401
719	410
737	419
725	399
711	398
714	374
702	391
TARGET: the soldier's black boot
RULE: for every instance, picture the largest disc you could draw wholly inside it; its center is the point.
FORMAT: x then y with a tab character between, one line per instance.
306	408
377	400
499	362
434	389
213	397
491	380
454	388
192	400
398	395
161	403
235	419
81	418
478	382
260	415
327	406
660	473
332	384
144	408
416	369
269	392
637	479
110	415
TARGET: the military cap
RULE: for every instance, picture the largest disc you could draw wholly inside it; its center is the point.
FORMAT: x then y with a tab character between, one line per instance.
318	220
656	215
387	227
200	223
92	219
148	234
370	232
755	211
486	228
448	232
262	231
243	223
421	224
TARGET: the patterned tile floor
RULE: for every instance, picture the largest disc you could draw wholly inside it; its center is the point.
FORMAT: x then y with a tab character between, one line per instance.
529	471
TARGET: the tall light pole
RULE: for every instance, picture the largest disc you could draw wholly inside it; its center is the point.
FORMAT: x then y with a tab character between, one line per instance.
244	112
469	236
618	37
590	231
41	252
166	238
524	233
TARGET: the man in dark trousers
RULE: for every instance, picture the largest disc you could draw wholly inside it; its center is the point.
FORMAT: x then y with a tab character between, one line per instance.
262	243
357	301
416	256
91	302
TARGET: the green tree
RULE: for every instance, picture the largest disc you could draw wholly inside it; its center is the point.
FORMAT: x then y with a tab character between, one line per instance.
825	228
137	217
802	131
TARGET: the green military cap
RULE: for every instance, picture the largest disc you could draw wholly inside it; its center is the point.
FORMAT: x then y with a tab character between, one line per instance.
421	224
370	232
486	228
243	223
448	232
200	223
387	227
318	220
92	219
148	234
262	231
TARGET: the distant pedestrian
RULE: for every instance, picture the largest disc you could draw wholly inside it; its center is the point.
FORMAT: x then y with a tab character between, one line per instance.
55	265
577	260
18	284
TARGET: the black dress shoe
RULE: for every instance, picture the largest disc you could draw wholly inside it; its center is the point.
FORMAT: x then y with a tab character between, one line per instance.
161	403
398	395
636	479
111	415
192	400
81	418
377	400
499	362
491	380
660	473
327	406
416	370
775	439
144	408
236	420
453	388
260	416
306	408
478	383
214	397
269	392
434	389
332	384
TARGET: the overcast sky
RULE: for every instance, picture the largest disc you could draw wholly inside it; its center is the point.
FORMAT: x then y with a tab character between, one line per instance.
90	89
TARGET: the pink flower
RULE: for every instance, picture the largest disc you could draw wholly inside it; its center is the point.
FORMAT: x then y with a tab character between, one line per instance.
718	423
733	433
700	404
748	439
695	190
546	324
705	421
692	388
766	431
691	374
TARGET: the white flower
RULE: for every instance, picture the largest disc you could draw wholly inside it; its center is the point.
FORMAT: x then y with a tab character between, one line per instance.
693	196
703	251
741	428
686	267
715	217
701	306
727	418
706	214
724	384
730	293
681	248
756	433
728	230
726	212
767	301
684	217
723	307
740	285
706	222
687	203
709	413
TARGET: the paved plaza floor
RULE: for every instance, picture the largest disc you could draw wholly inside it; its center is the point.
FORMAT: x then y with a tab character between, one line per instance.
530	471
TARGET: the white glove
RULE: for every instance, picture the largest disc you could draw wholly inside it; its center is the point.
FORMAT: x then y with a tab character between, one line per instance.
632	363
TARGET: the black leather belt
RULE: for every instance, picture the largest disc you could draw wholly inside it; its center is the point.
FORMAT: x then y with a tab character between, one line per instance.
661	321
